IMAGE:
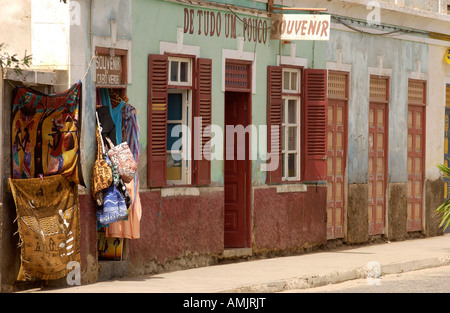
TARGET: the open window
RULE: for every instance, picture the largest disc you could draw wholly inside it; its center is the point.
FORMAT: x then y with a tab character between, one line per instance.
174	103
178	141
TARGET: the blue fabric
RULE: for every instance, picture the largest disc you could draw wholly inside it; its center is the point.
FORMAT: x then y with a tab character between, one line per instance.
117	118
106	100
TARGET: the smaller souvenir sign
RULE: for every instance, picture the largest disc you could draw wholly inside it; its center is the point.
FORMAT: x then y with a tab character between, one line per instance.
109	70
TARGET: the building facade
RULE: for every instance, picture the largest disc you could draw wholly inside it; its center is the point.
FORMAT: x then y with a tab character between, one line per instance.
251	146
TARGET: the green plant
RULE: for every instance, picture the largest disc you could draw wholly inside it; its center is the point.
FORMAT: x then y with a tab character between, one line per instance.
444	209
7	60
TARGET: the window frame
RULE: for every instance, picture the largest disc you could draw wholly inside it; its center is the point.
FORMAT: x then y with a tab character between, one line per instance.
186	151
286	95
290	70
189	73
285	125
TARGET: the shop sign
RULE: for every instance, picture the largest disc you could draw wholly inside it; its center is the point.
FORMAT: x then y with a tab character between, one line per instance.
219	24
109	70
447	56
300	27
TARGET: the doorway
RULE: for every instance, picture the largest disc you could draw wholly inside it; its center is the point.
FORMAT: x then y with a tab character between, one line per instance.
416	172
336	152
237	179
377	167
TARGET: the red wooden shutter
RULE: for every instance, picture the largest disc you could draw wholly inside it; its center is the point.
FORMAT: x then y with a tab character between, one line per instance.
274	103
315	125
202	143
157	119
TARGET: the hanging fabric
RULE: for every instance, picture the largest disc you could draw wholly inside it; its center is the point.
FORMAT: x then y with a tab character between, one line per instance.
131	127
46	134
105	99
108	127
117	118
49	225
105	115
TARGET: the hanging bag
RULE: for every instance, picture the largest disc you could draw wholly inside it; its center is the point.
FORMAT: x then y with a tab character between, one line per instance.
101	172
114	206
123	159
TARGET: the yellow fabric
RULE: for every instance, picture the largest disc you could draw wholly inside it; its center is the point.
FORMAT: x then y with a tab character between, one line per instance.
48	222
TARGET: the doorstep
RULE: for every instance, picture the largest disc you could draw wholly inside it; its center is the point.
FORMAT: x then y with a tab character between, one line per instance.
108	270
236	253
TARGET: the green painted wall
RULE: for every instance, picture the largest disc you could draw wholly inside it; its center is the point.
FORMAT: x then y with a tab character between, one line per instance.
156	21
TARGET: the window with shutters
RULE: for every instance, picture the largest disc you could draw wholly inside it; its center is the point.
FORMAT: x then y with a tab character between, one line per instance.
296	121
174	100
290	125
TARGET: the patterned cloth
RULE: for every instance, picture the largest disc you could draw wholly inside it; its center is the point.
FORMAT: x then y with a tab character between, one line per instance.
49	225
46	134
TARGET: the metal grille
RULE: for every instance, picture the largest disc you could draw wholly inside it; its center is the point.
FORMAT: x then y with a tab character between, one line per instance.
416	92
236	76
378	89
337	85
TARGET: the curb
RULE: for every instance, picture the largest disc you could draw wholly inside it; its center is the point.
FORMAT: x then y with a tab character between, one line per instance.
312	281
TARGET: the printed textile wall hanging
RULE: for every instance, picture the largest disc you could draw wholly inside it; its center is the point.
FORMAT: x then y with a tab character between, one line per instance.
46	133
49	226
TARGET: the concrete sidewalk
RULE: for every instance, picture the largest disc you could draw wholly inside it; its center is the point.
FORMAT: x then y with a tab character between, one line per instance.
285	273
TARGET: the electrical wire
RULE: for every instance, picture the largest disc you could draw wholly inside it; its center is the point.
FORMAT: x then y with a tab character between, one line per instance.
399	31
244	22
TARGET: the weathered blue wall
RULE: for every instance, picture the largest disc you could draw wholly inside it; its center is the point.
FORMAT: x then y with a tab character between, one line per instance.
106	10
362	52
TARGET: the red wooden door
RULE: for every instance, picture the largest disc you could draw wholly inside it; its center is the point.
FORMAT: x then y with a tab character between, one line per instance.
415	166
377	167
336	161
235	218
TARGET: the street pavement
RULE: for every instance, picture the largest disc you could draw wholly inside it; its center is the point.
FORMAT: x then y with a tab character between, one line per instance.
434	280
282	274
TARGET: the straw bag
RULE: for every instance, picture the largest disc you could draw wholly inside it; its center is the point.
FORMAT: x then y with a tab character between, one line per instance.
123	159
101	173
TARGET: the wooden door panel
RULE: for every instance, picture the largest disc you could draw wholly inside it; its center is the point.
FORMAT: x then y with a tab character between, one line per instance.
415	167
377	171
235	218
336	162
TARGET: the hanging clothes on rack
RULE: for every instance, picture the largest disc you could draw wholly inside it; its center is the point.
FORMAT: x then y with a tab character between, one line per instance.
130	228
105	116
131	130
117	118
105	98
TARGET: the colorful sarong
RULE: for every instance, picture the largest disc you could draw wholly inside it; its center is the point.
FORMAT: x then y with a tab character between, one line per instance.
49	225
46	134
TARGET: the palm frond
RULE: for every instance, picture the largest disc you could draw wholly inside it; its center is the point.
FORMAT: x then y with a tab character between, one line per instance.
444	169
444	209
